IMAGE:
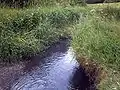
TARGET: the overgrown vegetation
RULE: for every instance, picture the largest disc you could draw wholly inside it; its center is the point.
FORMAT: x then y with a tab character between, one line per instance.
29	3
27	32
97	39
95	33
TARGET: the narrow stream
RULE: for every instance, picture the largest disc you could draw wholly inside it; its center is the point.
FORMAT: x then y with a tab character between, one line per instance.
57	70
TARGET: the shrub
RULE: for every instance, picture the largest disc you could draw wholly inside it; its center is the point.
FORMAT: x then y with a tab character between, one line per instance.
62	18
32	31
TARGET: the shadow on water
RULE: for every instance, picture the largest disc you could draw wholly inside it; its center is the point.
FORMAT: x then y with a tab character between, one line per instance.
79	80
56	69
60	47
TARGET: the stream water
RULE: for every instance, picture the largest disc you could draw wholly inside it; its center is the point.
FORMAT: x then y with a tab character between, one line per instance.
57	69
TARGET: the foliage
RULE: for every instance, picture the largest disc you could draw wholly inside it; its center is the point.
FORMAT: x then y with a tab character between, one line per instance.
31	30
26	3
97	39
110	12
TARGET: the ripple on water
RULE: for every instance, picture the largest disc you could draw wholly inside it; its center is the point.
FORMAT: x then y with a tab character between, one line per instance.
54	72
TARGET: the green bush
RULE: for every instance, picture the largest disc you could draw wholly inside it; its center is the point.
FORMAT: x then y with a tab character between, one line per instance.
62	18
31	31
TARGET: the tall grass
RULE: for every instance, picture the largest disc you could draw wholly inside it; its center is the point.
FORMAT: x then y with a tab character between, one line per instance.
110	12
97	39
26	32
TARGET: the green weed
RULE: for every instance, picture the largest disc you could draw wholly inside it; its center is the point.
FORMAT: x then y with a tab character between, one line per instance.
97	39
30	31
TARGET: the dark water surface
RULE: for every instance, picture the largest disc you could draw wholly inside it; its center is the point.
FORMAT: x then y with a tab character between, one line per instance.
57	70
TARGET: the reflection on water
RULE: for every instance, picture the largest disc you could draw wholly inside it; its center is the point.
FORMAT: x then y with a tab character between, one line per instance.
57	70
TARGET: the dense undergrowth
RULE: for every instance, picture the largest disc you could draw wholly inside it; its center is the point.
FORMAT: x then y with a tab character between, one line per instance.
97	39
95	34
26	32
40	3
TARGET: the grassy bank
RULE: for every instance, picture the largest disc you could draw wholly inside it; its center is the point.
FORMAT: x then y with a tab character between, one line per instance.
28	31
97	40
94	30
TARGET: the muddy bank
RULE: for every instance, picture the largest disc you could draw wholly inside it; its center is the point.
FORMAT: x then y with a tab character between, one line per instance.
56	69
95	72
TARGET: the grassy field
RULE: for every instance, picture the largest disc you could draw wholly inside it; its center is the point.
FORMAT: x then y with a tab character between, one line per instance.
97	40
94	30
